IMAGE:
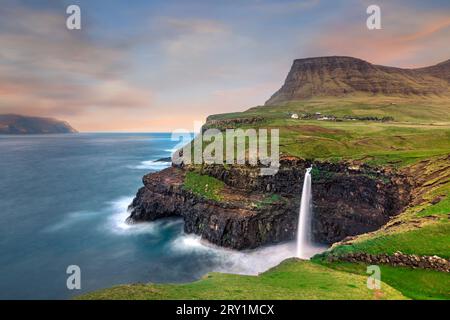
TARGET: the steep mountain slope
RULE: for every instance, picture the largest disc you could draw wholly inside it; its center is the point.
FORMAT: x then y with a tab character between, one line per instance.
341	76
17	124
441	70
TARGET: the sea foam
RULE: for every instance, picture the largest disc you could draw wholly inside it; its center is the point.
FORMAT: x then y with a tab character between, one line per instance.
248	262
151	165
118	220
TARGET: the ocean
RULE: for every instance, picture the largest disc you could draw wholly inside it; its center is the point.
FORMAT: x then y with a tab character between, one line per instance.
63	201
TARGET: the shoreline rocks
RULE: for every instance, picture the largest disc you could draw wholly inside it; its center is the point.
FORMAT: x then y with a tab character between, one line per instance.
229	224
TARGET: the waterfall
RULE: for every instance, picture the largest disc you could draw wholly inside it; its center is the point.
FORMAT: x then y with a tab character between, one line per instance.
304	218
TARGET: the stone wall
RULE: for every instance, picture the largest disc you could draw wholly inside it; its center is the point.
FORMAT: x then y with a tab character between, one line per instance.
398	259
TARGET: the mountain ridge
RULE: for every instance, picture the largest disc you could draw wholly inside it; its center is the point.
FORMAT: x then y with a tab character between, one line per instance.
343	76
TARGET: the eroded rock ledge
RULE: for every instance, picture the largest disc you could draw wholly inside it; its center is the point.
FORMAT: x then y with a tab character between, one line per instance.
236	223
348	199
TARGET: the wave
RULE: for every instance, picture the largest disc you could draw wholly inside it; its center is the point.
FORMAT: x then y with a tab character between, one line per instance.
71	219
188	243
171	151
118	224
253	262
152	165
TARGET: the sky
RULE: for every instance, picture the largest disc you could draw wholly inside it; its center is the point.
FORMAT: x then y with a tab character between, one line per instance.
153	66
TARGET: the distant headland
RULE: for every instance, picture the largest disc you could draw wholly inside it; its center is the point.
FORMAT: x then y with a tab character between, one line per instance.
19	124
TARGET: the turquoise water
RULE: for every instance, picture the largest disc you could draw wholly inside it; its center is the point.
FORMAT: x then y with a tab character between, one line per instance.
63	201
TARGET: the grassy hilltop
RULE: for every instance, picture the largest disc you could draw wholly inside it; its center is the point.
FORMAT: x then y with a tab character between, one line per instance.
419	128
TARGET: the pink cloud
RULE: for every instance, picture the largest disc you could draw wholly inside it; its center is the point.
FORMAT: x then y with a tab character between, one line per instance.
402	41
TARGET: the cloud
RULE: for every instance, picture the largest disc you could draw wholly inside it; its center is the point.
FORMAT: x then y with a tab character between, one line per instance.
436	25
46	69
194	38
38	40
35	97
282	7
404	40
232	99
192	57
197	26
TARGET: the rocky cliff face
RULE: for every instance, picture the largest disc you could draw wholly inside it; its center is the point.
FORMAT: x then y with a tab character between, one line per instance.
347	200
340	76
236	223
441	70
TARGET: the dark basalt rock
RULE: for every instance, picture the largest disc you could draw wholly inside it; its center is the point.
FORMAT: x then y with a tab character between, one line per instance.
223	124
225	224
166	159
347	200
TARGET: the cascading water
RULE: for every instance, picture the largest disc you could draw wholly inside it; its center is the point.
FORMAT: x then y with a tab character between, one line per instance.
304	218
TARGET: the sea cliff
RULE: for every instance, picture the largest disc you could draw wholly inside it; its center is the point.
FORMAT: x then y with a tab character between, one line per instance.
254	210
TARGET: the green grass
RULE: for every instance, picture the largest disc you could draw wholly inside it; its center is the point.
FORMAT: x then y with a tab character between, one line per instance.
402	109
317	174
268	200
395	144
204	186
440	208
421	129
374	143
430	239
413	283
292	279
437	209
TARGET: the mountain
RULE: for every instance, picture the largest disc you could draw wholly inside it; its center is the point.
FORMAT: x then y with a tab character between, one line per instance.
440	70
338	76
18	124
